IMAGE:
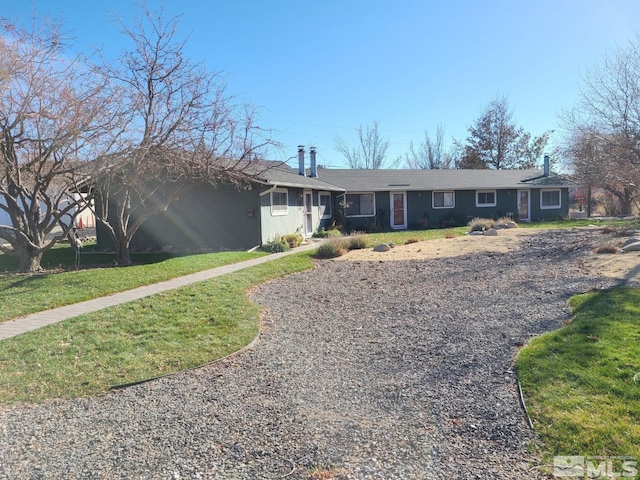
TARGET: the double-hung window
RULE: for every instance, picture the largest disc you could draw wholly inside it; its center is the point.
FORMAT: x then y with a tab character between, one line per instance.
280	202
485	198
550	198
360	205
444	199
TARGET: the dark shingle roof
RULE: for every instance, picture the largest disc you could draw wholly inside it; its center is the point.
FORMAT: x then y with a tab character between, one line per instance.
285	176
400	180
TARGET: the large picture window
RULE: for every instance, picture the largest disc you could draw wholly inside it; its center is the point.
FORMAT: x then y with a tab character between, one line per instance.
550	198
444	200
360	205
324	199
485	198
280	202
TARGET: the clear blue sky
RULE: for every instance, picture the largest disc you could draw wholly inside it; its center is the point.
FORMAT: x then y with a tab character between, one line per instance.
322	68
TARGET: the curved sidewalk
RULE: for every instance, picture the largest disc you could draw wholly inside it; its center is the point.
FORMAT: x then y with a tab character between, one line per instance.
20	325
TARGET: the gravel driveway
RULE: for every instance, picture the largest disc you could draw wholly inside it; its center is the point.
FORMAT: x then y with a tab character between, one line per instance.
365	369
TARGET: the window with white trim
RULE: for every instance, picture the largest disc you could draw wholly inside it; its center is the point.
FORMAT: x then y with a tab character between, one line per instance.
280	202
360	205
324	200
444	199
485	198
550	198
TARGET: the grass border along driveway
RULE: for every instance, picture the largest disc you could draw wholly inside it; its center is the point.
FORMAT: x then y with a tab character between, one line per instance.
24	294
150	337
581	383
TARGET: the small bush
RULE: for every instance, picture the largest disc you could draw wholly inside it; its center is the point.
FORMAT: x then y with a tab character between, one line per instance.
277	245
293	240
449	235
504	220
357	242
610	247
609	229
480	224
331	249
411	240
331	233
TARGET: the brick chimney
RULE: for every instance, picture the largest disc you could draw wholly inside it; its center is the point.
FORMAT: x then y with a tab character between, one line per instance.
301	160
314	166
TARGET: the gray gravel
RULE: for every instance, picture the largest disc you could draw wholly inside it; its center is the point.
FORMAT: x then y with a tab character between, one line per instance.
365	369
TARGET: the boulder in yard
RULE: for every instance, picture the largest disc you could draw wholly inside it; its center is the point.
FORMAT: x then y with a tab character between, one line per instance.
632	247
383	247
492	232
631	240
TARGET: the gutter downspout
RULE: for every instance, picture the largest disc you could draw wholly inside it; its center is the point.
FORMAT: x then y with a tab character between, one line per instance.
268	191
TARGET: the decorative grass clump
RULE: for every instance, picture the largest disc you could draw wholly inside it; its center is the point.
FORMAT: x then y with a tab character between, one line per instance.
276	245
479	224
332	249
357	242
609	247
331	233
293	240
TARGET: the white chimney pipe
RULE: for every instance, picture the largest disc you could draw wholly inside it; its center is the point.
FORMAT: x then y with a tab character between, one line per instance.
314	166
301	160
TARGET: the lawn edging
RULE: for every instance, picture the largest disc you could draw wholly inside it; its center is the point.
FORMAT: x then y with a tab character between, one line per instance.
580	381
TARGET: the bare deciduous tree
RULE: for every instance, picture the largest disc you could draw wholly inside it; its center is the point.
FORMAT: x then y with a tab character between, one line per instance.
603	140
53	117
430	154
371	152
179	127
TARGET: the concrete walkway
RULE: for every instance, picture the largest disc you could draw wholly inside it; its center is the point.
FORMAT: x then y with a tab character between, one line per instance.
20	325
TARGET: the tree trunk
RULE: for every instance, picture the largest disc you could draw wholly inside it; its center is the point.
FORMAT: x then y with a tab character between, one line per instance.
625	202
122	253
29	260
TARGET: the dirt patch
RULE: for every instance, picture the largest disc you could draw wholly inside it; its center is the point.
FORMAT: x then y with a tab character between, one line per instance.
623	266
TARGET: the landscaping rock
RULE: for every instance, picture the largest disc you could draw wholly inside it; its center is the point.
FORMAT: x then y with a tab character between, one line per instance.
632	247
476	232
492	232
374	370
383	247
631	240
512	225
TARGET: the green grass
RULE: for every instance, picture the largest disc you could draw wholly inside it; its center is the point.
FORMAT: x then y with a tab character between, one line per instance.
24	294
570	223
400	237
154	336
582	382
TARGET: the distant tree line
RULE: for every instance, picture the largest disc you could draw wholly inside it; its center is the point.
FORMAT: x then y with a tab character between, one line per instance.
495	141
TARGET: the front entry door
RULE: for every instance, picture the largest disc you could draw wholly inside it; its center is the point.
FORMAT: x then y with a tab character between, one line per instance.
398	210
523	205
308	214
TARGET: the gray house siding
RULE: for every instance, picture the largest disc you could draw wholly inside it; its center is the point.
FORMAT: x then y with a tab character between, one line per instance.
223	218
421	212
538	213
274	225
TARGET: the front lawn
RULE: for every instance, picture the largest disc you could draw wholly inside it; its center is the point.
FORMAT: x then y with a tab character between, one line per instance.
24	294
581	383
154	336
